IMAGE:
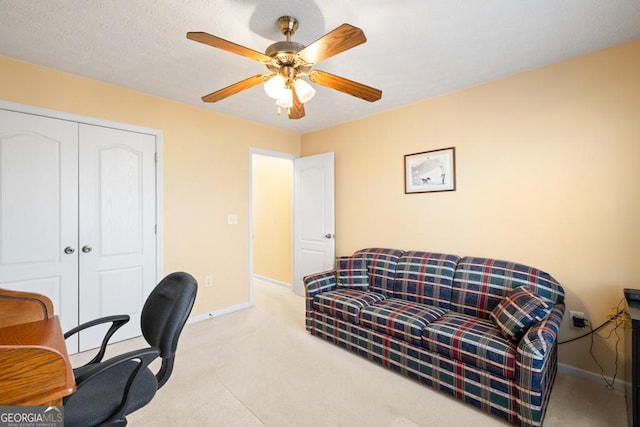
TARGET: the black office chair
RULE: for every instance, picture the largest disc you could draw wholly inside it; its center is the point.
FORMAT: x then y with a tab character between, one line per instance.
108	391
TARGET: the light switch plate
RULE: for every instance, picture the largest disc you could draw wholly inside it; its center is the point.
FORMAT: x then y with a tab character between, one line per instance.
232	219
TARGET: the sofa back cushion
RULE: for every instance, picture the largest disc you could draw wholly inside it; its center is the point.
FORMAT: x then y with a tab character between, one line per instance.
352	272
479	284
382	264
425	277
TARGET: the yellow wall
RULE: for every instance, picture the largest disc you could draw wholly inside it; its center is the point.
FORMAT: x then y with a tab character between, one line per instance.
206	170
548	173
272	206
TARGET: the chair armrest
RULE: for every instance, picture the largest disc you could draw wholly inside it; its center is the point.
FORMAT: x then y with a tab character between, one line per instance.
143	357
117	321
146	356
536	366
315	284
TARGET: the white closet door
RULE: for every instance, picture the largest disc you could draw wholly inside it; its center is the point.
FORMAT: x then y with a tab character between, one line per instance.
39	209
117	244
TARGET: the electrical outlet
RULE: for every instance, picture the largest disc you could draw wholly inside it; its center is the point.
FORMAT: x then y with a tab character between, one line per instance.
577	319
208	281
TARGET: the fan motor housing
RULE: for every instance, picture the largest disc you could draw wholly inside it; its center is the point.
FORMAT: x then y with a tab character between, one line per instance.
285	53
284	46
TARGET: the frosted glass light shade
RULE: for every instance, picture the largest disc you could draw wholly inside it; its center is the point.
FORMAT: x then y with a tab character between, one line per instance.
275	86
285	100
304	90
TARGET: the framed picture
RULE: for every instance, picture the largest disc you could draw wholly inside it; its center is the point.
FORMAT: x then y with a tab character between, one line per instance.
430	171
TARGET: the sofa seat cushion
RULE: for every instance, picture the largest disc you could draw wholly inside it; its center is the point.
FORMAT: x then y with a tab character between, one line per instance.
400	318
471	340
345	303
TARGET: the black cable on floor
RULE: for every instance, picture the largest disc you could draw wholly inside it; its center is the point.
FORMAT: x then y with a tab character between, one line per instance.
610	385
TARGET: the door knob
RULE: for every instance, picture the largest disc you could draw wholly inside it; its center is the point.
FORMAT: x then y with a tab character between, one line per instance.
329	235
69	250
86	249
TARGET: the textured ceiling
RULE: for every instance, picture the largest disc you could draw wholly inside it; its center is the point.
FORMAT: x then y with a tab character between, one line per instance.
415	49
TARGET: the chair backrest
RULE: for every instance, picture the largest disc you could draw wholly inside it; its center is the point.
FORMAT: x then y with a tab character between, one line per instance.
164	314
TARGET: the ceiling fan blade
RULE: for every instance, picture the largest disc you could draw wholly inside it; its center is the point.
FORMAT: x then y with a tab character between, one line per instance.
334	42
223	44
236	87
346	86
297	111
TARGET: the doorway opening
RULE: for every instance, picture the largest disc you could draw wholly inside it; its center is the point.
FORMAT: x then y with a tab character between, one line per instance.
271	218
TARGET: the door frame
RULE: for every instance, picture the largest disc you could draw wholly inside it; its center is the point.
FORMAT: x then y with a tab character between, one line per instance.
279	155
38	111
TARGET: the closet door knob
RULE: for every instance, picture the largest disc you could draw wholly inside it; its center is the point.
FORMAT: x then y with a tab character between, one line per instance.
69	250
86	249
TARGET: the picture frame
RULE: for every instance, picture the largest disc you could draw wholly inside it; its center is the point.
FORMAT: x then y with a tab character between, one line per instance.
430	171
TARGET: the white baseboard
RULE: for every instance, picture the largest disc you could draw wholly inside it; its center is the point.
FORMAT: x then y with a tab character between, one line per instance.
274	281
234	308
216	313
620	384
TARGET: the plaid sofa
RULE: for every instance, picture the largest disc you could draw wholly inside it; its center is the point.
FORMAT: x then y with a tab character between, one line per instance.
482	330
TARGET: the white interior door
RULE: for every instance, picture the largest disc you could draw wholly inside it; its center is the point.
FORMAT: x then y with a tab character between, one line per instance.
117	240
39	209
314	218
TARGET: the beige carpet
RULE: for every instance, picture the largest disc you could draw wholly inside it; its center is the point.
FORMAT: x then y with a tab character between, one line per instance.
259	367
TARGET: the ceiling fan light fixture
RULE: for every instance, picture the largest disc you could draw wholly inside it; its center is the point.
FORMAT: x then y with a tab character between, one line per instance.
285	100
304	90
275	86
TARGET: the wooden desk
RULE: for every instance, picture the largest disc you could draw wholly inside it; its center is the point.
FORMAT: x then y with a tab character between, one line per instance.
34	364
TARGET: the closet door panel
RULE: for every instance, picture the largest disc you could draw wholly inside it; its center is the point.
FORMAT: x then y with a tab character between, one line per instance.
117	226
39	209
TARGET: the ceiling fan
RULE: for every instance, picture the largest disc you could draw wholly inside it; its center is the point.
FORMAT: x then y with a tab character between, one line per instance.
288	61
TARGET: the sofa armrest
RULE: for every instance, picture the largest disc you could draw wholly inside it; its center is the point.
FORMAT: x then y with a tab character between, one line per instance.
320	282
537	343
315	284
536	366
